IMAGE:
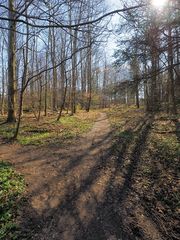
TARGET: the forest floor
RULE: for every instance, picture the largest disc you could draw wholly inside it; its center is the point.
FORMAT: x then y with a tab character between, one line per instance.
118	181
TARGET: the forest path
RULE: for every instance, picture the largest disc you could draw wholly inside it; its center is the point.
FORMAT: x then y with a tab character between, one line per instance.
65	185
80	191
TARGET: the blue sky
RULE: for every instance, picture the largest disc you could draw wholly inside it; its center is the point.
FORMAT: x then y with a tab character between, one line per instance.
114	4
111	44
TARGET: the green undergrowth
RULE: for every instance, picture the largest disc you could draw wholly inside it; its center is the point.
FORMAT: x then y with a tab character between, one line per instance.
11	188
47	130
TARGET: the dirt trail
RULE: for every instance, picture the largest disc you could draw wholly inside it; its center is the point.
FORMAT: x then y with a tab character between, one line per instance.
64	185
77	191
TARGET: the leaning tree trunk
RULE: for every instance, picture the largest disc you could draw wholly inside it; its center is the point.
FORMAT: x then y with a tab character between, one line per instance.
23	81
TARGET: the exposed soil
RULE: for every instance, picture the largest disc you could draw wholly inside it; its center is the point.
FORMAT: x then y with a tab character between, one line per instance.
83	190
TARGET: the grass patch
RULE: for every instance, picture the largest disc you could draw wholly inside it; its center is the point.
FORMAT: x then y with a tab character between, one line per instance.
11	189
47	130
7	130
36	139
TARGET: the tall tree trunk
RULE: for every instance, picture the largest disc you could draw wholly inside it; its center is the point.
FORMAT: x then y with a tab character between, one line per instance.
12	82
53	59
46	87
83	79
3	81
74	73
64	97
177	68
172	101
154	100
62	69
104	84
32	69
89	78
40	99
137	93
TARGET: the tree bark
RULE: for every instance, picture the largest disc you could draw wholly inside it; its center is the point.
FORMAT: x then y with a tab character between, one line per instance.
172	101
12	82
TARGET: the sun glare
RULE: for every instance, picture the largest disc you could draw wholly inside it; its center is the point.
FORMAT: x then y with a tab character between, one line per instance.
159	3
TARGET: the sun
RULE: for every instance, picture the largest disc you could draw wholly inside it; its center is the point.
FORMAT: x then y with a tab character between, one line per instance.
159	3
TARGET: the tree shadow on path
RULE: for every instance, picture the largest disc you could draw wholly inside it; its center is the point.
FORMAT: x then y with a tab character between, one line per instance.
89	206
